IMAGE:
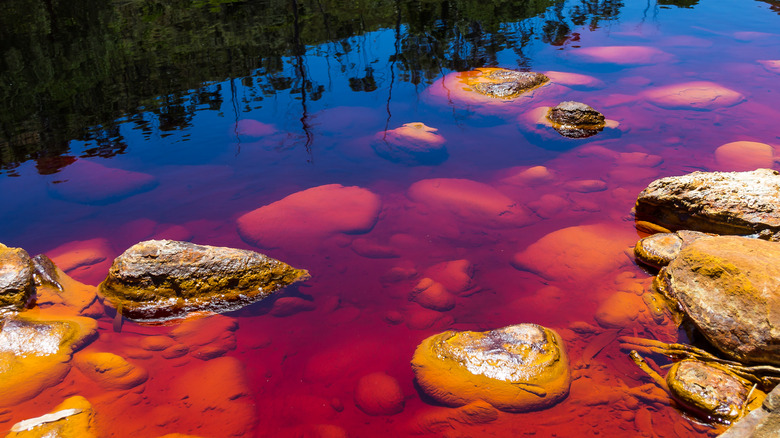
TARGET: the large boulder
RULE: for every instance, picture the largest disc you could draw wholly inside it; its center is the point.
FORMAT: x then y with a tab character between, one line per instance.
740	203
16	277
729	286
159	279
518	368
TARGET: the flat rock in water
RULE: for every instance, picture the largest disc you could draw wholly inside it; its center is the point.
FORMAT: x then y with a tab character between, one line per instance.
160	279
412	144
623	55
518	368
744	156
729	286
86	182
740	203
16	277
308	216
470	201
702	96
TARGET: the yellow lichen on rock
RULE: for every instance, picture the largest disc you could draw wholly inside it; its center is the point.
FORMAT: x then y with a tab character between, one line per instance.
501	83
73	418
517	368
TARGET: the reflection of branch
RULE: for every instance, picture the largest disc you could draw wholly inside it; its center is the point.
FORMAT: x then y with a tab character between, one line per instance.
392	65
300	51
235	114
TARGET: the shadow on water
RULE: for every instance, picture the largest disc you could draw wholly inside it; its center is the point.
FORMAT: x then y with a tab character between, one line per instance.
78	70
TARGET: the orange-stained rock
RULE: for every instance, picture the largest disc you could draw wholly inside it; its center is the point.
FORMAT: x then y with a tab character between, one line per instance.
517	368
619	310
744	155
576	253
207	337
379	394
253	128
61	291
73	418
432	295
412	143
771	65
693	95
35	350
574	80
309	215
485	85
288	306
470	201
87	182
16	277
214	399
455	275
622	55
110	370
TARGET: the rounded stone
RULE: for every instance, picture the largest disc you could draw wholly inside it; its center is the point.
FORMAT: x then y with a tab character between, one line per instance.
16	277
518	368
658	250
110	370
744	155
379	394
576	120
707	390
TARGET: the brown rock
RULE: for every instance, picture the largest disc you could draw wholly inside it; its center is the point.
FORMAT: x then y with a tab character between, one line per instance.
160	279
506	84
729	287
522	367
16	277
716	202
309	215
659	249
379	394
707	390
576	119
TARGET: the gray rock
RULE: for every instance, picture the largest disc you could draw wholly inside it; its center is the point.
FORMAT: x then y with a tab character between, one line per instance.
161	279
16	277
508	84
741	203
761	423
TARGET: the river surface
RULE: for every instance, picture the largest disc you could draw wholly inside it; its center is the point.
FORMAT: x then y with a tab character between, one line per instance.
144	138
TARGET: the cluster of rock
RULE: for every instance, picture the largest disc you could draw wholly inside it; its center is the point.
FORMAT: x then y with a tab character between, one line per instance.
726	286
47	317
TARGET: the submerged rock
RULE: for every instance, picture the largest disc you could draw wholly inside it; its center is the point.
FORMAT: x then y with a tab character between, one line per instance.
16	277
715	202
71	419
729	287
517	368
412	143
576	120
707	390
379	394
110	371
658	250
700	95
160	279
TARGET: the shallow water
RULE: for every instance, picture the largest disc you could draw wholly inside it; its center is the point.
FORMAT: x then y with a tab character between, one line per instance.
235	146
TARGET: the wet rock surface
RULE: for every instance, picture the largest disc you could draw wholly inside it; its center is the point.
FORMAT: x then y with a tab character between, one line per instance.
160	279
711	392
576	120
521	367
507	84
729	286
658	250
740	203
412	144
759	423
16	277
